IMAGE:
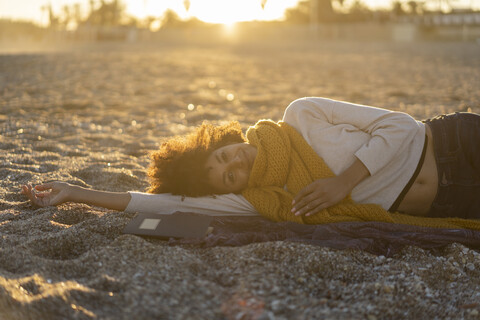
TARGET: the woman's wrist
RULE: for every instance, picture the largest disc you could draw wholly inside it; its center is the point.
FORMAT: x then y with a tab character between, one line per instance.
105	199
354	175
74	193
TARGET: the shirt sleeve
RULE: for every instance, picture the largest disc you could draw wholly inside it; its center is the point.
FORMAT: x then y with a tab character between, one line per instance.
166	203
389	130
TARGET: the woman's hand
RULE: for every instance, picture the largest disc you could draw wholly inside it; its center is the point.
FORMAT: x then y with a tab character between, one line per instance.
55	193
48	194
319	195
324	193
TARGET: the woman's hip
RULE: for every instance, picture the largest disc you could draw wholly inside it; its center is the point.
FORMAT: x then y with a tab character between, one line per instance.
456	140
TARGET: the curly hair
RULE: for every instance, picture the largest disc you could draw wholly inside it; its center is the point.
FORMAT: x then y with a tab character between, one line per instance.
179	166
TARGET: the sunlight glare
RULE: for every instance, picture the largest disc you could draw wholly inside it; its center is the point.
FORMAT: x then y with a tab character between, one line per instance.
156	25
230	11
214	11
229	28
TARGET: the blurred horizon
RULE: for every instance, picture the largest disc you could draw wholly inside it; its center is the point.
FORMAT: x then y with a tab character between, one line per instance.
225	11
78	22
208	11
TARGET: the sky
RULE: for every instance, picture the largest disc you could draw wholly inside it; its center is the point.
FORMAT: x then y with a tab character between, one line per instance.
216	11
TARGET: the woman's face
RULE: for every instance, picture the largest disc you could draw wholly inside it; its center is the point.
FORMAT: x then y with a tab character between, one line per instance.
229	167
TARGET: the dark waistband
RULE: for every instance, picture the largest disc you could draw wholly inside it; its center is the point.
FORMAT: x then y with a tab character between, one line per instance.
407	187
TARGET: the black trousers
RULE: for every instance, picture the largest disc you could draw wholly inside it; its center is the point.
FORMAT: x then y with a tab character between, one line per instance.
456	139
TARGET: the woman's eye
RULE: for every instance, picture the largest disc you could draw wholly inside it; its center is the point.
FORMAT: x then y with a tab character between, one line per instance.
230	177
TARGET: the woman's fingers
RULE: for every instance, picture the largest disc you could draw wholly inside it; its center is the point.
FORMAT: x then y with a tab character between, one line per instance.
305	201
302	193
299	200
42	194
31	194
36	199
302	205
310	207
43	187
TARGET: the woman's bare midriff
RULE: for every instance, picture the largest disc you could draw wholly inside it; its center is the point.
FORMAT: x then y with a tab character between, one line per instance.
419	198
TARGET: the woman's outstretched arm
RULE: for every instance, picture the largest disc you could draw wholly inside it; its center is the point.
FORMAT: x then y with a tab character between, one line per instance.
55	193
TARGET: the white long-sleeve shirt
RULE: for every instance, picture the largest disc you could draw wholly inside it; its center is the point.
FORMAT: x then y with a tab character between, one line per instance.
388	143
166	203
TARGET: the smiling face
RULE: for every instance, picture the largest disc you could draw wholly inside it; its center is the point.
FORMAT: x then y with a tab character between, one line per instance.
229	167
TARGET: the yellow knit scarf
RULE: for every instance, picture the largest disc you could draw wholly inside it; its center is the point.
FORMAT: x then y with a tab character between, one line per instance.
285	163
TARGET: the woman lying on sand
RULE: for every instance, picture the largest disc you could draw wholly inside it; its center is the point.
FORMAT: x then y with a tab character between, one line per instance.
326	161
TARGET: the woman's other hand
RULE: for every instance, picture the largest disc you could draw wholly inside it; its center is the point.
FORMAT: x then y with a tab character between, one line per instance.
324	193
319	195
48	194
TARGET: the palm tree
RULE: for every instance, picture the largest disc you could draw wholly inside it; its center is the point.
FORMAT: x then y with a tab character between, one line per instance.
67	16
186	4
53	20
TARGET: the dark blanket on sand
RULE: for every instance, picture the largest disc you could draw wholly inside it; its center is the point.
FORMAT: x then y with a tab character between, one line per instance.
375	237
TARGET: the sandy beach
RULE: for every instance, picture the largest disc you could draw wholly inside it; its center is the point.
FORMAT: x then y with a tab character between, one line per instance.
91	114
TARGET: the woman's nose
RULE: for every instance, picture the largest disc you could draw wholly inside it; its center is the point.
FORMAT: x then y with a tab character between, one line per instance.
236	162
